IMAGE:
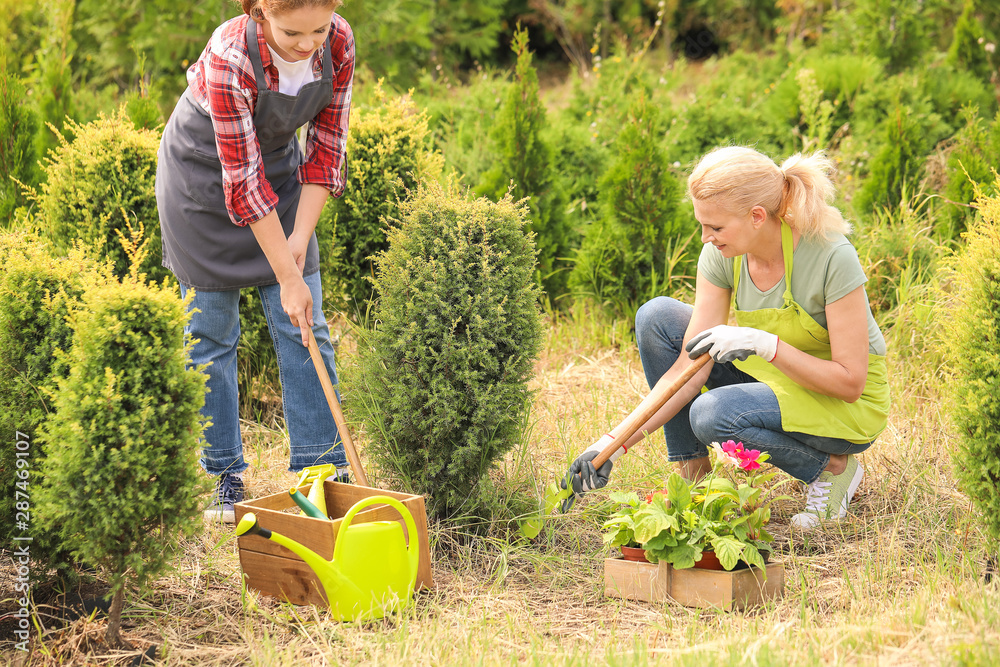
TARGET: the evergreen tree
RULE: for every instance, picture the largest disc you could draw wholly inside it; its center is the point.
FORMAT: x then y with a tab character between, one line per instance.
524	166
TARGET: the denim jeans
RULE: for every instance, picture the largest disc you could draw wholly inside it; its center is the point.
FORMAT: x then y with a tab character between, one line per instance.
312	432
735	407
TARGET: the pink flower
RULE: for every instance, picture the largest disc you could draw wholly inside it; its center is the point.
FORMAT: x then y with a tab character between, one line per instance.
744	458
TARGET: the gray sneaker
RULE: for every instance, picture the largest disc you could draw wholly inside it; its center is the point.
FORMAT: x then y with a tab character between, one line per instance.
829	496
229	490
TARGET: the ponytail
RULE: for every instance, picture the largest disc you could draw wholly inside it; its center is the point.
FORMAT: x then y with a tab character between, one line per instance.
809	195
799	192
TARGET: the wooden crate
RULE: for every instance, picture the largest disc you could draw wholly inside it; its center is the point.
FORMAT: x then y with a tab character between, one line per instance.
273	570
692	587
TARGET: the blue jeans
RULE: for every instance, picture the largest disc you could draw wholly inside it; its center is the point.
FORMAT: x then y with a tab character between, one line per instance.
312	432
735	407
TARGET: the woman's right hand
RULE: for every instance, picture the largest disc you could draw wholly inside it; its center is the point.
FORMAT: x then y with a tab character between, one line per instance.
297	302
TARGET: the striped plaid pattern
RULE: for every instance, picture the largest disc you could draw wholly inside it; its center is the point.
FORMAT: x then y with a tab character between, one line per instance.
223	83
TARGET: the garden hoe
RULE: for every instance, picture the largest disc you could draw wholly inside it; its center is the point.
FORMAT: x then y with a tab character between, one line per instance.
338	415
655	399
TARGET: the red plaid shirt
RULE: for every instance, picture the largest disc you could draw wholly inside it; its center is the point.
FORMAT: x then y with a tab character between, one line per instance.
223	83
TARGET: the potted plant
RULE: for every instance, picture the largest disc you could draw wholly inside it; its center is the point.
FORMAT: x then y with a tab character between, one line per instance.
725	513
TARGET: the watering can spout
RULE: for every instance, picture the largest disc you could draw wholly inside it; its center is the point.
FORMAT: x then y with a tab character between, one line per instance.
335	584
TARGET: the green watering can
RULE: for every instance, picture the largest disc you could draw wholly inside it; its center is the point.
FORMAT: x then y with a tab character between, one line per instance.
373	569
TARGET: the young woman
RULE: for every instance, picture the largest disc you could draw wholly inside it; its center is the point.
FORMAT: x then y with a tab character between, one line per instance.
238	204
802	375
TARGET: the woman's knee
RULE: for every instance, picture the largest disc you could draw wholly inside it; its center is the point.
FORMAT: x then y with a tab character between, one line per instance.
708	423
661	317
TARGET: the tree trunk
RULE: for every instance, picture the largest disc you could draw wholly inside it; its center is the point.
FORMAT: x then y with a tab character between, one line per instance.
113	636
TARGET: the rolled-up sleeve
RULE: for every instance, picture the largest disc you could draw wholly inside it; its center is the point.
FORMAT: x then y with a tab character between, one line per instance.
249	197
326	138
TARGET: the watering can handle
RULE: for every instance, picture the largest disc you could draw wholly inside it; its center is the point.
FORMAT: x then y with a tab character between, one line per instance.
413	541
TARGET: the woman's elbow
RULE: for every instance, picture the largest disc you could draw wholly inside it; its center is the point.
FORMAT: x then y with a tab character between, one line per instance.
853	391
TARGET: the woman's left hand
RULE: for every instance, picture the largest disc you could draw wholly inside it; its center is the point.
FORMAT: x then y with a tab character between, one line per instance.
726	343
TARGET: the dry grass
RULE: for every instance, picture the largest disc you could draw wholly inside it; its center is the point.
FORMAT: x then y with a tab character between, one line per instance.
899	582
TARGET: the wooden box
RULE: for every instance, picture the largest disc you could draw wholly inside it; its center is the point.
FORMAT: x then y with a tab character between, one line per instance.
273	570
692	587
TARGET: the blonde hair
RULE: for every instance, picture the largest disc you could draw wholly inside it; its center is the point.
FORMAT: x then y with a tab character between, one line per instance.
255	8
799	191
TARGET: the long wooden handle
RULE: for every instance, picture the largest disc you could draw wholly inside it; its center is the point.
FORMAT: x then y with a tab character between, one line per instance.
338	415
661	392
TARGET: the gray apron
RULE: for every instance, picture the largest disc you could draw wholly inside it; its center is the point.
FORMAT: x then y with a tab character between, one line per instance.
201	245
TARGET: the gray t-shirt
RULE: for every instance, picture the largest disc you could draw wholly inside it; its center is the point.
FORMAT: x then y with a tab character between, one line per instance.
823	271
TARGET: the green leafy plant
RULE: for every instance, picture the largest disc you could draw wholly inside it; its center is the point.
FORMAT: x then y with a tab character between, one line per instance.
18	127
38	292
726	512
96	185
973	363
389	154
443	374
634	250
121	483
525	167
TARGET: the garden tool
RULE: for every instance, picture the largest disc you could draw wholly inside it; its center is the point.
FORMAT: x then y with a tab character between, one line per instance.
373	569
650	405
306	505
338	415
316	475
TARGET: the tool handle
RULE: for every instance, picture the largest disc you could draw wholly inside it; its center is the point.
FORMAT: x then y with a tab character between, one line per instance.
655	399
338	415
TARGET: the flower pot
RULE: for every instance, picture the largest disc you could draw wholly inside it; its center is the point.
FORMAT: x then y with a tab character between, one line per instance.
709	561
635	554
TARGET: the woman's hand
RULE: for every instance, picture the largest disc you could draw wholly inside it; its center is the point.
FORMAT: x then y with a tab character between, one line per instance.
726	343
297	302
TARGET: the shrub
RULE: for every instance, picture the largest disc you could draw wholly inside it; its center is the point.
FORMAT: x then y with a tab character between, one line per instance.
623	261
898	164
121	479
966	51
525	159
18	127
37	294
973	323
970	165
444	371
97	184
389	153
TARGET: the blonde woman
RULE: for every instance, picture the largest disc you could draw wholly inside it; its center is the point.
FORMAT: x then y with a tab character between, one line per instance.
239	202
802	375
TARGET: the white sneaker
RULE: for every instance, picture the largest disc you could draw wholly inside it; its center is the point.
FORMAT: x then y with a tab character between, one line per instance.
829	496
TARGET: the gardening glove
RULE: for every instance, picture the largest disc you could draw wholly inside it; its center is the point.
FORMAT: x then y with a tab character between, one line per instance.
727	343
582	474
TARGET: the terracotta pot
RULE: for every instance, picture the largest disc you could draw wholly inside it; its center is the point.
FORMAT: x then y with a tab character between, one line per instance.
709	561
637	554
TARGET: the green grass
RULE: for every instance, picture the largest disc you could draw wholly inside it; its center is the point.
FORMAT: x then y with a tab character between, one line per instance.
900	581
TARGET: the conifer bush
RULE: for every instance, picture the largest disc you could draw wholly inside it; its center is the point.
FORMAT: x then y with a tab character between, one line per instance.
444	371
625	258
38	291
970	164
525	166
973	354
18	127
898	164
121	483
96	184
389	152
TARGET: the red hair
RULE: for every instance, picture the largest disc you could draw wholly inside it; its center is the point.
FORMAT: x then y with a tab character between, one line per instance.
282	6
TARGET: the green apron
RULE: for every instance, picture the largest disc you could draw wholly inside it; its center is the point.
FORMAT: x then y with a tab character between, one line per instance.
803	410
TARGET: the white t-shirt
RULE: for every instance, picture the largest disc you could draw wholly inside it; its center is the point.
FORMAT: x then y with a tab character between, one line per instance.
292	76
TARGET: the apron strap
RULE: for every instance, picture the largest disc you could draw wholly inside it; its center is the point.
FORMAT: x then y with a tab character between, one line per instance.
253	48
787	248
